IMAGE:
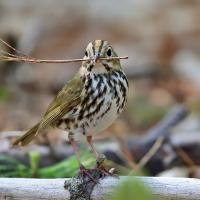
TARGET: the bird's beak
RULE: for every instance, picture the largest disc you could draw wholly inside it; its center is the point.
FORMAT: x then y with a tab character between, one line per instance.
96	57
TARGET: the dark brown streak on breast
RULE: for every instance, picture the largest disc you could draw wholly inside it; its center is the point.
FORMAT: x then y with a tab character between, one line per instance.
96	110
123	90
115	94
94	102
123	77
106	67
105	112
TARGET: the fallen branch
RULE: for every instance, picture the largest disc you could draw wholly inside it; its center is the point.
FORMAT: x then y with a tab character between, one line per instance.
142	145
40	189
163	128
152	151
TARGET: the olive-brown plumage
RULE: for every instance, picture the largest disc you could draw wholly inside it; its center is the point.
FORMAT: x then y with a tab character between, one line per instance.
67	98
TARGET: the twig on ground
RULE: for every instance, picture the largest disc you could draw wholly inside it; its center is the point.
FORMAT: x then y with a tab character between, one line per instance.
173	117
187	160
152	151
131	162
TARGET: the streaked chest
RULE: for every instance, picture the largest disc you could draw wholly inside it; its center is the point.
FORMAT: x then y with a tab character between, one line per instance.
103	99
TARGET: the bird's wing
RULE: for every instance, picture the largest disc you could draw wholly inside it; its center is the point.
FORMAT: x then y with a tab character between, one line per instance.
65	101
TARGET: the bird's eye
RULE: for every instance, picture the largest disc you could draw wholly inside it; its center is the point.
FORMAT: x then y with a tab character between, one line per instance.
86	53
109	52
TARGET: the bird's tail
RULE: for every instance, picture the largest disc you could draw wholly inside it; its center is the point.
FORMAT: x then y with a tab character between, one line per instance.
27	137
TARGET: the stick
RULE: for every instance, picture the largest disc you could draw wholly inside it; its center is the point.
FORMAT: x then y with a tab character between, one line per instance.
152	151
173	117
12	48
43	189
5	56
33	60
163	128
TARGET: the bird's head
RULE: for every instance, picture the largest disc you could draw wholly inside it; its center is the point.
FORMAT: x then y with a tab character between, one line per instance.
96	50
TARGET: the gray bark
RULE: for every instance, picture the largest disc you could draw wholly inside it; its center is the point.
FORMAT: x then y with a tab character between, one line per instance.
41	189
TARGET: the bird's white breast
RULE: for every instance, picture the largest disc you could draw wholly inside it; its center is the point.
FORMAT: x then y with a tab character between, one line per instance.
110	108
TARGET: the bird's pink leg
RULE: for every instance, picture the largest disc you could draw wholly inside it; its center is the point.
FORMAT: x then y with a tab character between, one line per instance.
89	140
83	170
74	147
99	158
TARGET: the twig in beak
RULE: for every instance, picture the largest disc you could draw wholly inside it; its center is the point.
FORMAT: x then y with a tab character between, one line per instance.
33	60
13	49
5	56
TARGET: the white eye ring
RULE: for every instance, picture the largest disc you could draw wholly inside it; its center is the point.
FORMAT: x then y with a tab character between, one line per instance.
109	52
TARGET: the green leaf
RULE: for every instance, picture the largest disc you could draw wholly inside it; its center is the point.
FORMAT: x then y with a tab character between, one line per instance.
66	168
34	157
10	167
131	189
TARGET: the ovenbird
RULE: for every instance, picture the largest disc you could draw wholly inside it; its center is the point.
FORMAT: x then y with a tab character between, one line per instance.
90	102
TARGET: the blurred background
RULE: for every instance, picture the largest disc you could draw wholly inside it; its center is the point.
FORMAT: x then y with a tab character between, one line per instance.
162	40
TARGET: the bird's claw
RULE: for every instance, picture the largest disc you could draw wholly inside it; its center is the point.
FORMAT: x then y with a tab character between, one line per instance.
100	160
87	173
101	167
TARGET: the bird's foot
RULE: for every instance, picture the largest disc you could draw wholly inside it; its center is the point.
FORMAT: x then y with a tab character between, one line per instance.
81	186
87	174
101	167
105	172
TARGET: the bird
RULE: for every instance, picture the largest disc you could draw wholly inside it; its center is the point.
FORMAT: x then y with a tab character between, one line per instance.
89	103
